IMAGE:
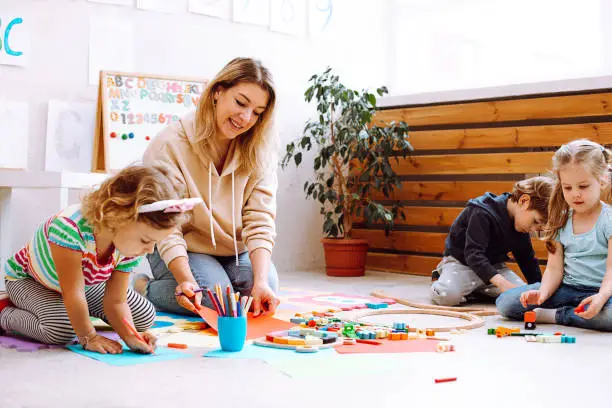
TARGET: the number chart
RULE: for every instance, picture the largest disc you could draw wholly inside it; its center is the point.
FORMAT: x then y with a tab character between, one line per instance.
132	109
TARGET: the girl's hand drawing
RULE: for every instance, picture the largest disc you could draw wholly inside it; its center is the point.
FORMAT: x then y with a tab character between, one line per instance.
142	347
532	297
595	302
264	300
103	345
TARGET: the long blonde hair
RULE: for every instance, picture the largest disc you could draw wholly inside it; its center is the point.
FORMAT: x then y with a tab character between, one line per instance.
117	199
582	152
256	143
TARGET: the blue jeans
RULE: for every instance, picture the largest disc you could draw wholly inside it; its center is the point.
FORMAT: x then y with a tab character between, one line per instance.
207	271
565	299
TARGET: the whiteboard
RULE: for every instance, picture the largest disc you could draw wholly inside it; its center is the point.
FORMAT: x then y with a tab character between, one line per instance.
135	107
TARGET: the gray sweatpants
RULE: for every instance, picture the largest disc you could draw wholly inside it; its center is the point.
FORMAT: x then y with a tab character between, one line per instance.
458	280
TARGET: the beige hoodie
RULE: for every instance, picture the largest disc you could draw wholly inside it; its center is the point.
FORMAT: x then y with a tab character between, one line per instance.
243	206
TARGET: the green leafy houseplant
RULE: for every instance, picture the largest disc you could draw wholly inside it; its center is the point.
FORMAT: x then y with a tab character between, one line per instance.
353	158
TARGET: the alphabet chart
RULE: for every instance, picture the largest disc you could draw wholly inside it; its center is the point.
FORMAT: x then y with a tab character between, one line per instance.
132	109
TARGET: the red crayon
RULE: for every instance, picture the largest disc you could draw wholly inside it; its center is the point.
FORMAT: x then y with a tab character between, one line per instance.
442	380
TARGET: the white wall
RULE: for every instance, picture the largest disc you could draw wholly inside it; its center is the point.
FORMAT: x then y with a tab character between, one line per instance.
196	45
445	45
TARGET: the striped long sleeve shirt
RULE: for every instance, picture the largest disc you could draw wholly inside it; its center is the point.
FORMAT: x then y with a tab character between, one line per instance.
68	229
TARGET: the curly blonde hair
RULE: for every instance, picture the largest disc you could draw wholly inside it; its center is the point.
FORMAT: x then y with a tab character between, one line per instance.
583	152
117	199
255	144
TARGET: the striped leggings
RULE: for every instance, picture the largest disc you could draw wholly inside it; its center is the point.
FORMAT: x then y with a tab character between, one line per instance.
39	313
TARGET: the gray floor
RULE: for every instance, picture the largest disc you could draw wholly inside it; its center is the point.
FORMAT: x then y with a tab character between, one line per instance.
491	372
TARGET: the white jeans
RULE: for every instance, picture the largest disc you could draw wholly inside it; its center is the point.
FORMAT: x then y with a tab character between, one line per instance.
458	280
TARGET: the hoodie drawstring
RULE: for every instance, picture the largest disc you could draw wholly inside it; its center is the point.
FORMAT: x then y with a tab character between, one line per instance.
234	223
212	232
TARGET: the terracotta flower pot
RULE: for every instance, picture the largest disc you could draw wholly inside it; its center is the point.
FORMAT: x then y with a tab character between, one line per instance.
345	257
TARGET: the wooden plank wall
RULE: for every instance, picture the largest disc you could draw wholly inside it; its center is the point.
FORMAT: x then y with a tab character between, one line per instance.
464	149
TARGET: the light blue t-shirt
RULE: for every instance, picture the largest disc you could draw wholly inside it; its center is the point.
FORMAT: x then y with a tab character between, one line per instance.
585	254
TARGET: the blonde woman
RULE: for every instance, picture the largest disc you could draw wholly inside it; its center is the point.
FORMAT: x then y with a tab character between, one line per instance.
223	153
78	264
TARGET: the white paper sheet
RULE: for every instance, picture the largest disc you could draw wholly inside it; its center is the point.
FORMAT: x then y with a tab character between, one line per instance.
165	6
14	131
288	16
252	12
70	136
111	46
14	37
214	8
320	16
128	3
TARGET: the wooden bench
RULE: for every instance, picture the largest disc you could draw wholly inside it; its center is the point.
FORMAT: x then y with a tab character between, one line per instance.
464	149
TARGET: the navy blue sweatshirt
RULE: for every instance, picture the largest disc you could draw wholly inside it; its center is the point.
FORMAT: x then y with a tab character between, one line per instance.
483	234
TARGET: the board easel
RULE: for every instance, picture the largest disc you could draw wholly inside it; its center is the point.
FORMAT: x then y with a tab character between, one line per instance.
132	108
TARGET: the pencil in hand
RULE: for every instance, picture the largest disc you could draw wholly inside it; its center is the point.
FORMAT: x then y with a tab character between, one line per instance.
138	336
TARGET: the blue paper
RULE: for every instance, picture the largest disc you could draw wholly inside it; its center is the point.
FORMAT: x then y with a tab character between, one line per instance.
129	357
268	353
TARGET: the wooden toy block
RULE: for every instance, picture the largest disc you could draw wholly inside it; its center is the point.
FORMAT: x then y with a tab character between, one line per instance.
491	331
177	345
531	339
280	340
329	340
313	341
296	342
399	326
430	332
421	332
294	332
269	337
349	341
530	326
529	317
568	339
395	336
369	341
403	336
306	331
376	305
579	309
306	349
297	320
311	323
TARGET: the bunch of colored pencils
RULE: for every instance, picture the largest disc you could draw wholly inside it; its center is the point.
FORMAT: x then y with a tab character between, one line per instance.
229	304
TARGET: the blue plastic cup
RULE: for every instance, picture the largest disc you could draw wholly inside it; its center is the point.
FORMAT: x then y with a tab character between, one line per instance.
232	332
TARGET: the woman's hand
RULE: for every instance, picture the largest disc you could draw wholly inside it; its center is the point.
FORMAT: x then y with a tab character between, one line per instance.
264	299
184	292
103	345
146	347
595	302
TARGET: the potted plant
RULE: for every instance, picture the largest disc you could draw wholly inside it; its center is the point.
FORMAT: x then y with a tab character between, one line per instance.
352	161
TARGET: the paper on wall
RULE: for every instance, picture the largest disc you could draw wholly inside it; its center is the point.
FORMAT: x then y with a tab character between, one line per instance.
288	16
14	131
214	8
70	136
252	12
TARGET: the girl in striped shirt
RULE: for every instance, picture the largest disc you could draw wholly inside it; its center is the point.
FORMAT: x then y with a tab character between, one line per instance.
79	261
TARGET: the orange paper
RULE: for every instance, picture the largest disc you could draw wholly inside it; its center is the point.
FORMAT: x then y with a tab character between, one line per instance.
391	346
256	326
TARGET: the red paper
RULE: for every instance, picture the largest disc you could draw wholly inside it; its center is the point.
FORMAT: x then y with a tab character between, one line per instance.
256	326
391	346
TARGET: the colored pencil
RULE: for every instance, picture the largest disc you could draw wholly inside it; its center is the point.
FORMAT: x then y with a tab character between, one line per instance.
195	291
138	336
248	304
441	380
213	301
220	306
230	309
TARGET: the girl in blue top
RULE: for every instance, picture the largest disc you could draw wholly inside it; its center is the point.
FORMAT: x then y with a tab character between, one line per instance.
577	284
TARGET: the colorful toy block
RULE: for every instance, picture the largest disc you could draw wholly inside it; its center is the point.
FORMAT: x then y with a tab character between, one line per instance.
377	305
399	326
491	331
529	316
430	332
